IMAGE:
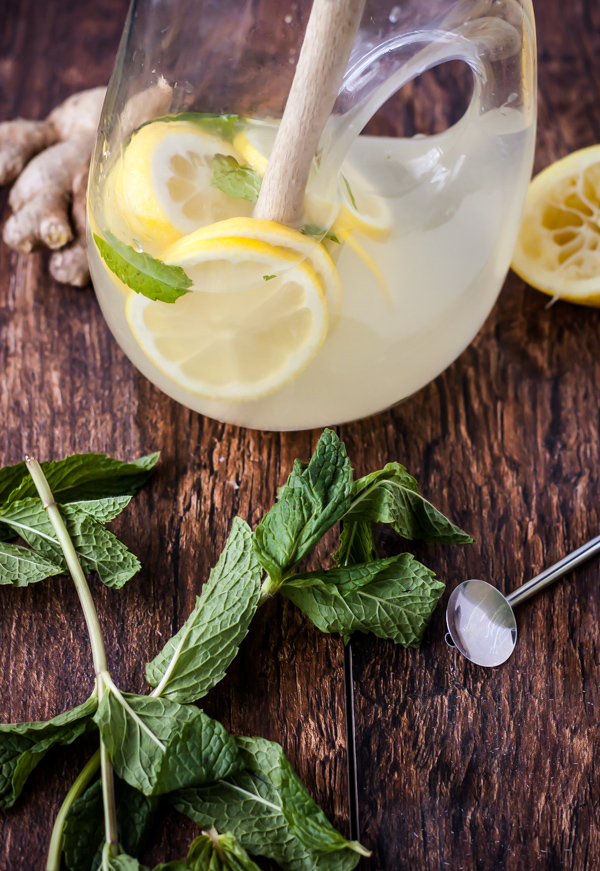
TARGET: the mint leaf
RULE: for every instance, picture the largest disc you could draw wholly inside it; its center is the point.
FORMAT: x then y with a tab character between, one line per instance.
23	745
97	548
158	746
357	544
350	194
235	179
82	477
20	566
142	272
392	496
197	657
314	498
266	808
316	230
391	598
103	510
83	838
222	126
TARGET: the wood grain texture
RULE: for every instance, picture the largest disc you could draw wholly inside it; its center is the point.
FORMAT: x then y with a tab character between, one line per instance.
456	768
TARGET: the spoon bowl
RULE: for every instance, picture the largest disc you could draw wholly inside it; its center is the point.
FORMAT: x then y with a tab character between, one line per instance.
481	623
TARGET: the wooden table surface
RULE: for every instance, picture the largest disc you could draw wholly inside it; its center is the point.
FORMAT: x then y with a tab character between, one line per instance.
432	762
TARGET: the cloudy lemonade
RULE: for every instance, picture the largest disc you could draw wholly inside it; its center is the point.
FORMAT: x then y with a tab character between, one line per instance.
275	328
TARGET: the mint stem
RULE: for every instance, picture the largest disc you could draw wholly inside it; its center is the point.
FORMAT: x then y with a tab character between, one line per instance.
268	589
96	641
78	788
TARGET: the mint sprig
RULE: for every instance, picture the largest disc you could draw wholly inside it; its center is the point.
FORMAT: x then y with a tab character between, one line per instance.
317	494
142	272
161	747
235	179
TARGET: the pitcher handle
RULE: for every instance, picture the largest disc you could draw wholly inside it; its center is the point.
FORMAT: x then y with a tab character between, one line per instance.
496	38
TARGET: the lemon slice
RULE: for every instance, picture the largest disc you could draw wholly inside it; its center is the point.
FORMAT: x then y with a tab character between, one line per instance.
361	209
282	237
241	345
255	143
162	181
355	246
558	249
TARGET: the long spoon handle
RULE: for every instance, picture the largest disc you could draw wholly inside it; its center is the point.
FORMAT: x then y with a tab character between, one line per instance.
330	35
549	575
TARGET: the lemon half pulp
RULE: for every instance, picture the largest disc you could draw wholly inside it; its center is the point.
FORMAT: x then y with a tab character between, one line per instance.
227	344
558	249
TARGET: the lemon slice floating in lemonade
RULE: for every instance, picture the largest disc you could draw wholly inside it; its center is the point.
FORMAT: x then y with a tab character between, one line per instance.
255	143
162	180
360	209
558	249
282	237
227	344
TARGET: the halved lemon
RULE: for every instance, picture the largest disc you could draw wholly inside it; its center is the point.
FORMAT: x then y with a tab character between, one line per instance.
233	345
282	237
558	249
162	181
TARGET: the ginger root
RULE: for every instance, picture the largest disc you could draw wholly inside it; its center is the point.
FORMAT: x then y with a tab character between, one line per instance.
49	159
70	265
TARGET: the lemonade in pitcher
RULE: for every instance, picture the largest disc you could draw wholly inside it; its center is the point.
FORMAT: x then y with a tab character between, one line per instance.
400	252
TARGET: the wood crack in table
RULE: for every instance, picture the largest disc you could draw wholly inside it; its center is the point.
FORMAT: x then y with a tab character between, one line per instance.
448	766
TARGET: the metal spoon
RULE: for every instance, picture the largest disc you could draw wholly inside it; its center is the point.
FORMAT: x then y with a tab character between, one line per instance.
480	619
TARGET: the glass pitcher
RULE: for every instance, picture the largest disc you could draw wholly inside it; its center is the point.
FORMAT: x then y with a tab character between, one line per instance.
403	243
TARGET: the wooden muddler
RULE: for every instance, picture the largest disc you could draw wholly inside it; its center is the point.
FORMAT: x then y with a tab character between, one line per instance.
328	41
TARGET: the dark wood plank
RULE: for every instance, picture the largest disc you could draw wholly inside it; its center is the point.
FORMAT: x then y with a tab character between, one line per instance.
458	767
65	386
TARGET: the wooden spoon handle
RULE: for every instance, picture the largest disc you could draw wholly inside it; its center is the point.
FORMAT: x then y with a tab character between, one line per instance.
328	41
